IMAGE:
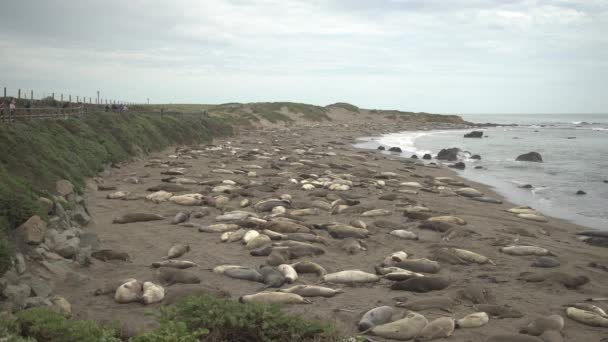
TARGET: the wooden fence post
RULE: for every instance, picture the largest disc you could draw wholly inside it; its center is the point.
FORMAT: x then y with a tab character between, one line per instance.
53	96
4	91
32	95
61	97
19	94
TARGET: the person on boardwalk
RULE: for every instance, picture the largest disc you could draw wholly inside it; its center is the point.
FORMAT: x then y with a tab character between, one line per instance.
12	108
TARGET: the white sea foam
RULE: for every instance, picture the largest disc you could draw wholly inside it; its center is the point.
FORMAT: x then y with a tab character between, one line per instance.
406	141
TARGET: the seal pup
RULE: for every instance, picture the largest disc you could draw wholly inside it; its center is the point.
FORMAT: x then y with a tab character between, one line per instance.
437	226
402	329
176	251
376	316
170	276
474	320
475	293
422	284
457	256
589	307
542	324
312	291
440	328
274	298
523	250
545	262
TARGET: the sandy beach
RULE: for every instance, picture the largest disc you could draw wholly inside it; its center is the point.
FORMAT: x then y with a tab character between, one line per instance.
297	152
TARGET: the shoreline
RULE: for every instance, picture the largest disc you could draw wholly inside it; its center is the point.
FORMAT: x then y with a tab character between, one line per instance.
507	189
147	242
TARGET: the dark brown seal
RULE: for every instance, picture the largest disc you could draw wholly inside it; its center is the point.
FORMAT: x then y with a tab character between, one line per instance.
422	284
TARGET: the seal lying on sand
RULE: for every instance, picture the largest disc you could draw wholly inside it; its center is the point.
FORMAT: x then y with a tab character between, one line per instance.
110	254
137	217
376	316
568	280
170	276
422	284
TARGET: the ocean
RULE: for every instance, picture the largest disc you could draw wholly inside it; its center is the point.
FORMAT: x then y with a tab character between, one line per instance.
574	149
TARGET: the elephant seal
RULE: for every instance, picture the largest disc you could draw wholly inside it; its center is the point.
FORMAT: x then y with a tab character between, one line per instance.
305	237
457	256
152	293
181	217
278	256
309	267
110	254
499	311
262	251
299	250
177	293
587	317
177	251
285	227
181	264
474	320
568	280
343	231
542	324
352	246
170	276
422	284
589	307
350	277
403	329
128	292
474	293
274	298
376	316
440	328
312	291
137	217
419	265
272	277
441	303
288	272
437	226
244	273
545	262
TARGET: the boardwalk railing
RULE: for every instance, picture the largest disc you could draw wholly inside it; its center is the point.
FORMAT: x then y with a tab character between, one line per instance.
8	116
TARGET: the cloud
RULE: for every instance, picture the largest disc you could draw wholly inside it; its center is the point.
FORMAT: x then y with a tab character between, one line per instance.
211	51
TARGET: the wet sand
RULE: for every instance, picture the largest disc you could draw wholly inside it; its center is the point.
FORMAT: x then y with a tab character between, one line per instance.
148	242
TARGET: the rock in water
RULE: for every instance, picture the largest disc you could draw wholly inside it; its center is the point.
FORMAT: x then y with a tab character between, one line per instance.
530	157
395	149
449	154
458	166
474	134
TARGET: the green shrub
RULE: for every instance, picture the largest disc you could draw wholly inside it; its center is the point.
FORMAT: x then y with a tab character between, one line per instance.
43	324
34	154
227	320
171	331
349	107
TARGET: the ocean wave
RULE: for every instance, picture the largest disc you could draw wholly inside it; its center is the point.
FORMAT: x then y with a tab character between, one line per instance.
406	141
599	129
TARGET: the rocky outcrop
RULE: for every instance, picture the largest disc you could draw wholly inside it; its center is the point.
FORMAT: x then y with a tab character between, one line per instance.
474	134
395	149
381	148
448	154
64	187
530	157
476	157
459	166
427	156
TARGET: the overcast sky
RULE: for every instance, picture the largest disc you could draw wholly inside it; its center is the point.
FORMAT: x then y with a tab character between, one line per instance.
449	56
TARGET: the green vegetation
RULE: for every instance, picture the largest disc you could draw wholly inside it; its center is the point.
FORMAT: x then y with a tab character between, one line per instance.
193	319
35	154
217	319
349	107
42	324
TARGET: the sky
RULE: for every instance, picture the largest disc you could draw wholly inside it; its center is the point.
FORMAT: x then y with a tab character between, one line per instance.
443	56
